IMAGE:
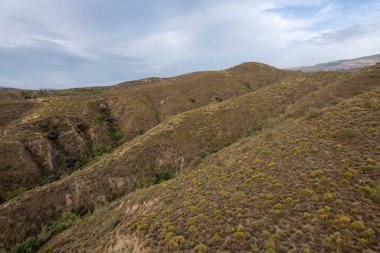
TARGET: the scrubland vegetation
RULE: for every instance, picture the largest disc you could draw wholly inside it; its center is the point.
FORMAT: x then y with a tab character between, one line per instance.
269	161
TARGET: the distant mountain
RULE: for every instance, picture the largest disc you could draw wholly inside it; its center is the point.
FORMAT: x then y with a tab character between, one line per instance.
4	88
342	65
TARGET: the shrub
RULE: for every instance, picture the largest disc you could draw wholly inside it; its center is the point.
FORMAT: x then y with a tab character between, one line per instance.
116	134
218	99
11	194
194	163
307	192
375	193
328	196
202	154
191	220
216	238
100	209
72	162
200	248
176	241
67	219
82	126
230	163
269	196
53	133
357	225
110	223
99	149
32	243
238	196
368	233
289	200
25	95
307	250
348	133
251	130
193	208
162	175
312	113
240	235
142	197
306	215
343	219
336	100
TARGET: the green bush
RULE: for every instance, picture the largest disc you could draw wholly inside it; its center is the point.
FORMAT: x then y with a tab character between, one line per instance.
32	243
162	175
202	154
82	126
251	130
375	193
238	196
53	133
312	112
348	133
25	95
110	223
99	149
11	194
100	209
116	134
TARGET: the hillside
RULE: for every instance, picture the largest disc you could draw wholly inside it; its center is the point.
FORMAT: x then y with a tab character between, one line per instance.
271	192
251	158
56	132
343	65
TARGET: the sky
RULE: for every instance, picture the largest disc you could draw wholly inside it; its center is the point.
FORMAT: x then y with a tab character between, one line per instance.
73	43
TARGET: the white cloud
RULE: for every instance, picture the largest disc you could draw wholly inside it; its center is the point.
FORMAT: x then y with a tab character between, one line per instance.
87	39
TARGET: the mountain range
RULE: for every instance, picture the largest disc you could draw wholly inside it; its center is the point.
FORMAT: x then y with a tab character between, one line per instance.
342	65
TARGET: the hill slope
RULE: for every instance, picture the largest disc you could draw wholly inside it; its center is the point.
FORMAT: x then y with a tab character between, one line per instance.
268	160
57	132
272	191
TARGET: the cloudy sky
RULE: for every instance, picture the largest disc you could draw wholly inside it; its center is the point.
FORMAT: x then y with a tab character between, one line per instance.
68	43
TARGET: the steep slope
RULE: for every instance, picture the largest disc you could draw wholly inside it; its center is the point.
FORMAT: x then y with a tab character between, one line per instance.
56	132
168	147
305	186
344	87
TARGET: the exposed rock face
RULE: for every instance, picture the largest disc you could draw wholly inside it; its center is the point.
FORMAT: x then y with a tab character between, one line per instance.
17	168
41	152
49	148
